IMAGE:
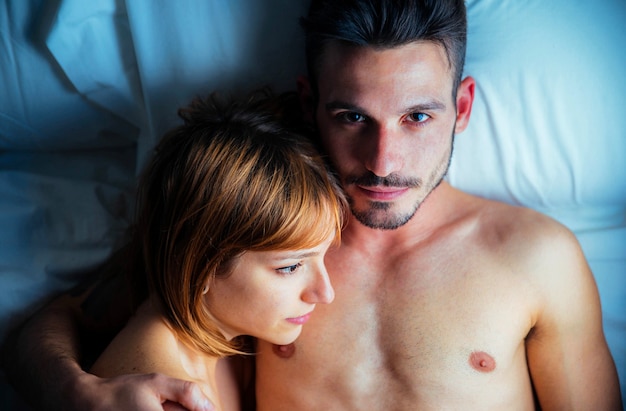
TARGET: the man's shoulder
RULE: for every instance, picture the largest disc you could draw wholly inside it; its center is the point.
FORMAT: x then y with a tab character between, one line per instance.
531	243
494	214
531	249
459	216
522	232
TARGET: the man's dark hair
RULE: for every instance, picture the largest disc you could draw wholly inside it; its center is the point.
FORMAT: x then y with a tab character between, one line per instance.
386	24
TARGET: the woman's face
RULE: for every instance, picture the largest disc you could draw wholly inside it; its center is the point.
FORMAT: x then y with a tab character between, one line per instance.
271	294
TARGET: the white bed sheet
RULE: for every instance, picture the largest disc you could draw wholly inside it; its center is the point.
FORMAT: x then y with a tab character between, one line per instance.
88	87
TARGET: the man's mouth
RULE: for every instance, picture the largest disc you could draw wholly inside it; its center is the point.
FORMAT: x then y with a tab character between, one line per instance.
382	193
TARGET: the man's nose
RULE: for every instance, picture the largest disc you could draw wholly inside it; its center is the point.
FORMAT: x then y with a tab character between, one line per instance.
382	151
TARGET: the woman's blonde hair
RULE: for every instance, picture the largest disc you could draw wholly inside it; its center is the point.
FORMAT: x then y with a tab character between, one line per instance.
234	177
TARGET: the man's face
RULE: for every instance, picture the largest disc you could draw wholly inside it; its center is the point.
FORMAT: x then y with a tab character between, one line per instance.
386	119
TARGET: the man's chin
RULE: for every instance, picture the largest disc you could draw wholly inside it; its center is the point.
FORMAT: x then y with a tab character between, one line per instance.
382	218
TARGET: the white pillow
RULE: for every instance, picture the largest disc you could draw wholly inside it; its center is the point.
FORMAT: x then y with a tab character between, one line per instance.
548	129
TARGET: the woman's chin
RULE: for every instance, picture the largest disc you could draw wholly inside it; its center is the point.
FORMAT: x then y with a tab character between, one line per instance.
285	339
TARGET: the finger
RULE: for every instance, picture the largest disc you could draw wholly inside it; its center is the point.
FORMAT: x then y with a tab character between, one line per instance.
185	393
173	406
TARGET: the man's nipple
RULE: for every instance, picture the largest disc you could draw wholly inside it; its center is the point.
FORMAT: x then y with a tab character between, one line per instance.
481	361
284	351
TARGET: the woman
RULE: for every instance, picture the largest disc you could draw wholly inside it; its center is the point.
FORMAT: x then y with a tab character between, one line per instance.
235	213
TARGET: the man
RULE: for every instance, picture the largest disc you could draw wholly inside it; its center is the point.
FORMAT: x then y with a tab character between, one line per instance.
443	300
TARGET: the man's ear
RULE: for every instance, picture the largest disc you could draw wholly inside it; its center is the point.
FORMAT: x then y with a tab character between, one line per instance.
307	102
464	101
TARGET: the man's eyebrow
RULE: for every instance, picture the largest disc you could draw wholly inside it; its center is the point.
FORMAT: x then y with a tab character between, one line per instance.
336	105
431	105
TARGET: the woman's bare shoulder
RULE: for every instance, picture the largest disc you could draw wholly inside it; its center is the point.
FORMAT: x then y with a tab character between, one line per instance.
145	345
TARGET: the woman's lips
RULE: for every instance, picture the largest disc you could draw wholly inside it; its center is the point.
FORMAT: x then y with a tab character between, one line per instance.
300	320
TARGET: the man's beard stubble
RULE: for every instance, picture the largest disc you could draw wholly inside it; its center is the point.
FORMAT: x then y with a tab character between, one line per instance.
378	215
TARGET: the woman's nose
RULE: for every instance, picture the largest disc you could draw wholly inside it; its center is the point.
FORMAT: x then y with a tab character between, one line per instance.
320	290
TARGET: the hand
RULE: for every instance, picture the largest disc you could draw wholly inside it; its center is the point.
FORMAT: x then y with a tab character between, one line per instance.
149	392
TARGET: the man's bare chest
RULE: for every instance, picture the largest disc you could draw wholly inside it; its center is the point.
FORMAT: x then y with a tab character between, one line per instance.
415	332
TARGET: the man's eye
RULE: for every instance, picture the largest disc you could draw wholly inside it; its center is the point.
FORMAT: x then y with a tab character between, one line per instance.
419	117
352	117
289	269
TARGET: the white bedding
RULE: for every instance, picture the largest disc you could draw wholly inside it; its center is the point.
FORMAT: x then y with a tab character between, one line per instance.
86	90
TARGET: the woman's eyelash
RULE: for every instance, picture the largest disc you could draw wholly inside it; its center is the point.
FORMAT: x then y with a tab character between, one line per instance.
290	269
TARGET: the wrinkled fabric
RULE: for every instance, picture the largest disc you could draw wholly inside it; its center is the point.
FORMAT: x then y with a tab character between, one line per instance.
88	88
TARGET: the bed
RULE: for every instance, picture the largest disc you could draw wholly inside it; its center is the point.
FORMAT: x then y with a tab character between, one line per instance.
88	87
